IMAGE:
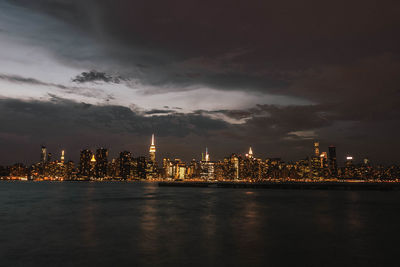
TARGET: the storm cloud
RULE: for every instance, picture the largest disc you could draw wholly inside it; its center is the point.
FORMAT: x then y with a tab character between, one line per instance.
95	76
295	71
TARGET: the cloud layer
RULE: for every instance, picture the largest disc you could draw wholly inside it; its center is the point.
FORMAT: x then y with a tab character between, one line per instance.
291	71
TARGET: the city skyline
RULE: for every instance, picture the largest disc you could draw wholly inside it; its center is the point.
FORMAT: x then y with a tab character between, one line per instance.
47	153
199	132
96	165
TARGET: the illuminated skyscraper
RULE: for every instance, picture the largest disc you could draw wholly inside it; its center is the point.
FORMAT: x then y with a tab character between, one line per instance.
349	167
207	167
125	159
316	148
152	150
151	168
92	166
62	156
250	155
207	156
101	162
43	155
324	159
84	163
332	160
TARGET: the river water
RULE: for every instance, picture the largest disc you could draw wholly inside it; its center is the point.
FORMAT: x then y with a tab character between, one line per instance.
141	224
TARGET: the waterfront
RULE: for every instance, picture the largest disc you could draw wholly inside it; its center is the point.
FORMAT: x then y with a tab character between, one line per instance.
131	224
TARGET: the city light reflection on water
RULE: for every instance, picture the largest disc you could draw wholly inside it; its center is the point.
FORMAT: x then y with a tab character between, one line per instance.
103	224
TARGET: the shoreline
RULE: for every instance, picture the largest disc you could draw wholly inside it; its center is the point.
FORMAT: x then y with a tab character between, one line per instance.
378	186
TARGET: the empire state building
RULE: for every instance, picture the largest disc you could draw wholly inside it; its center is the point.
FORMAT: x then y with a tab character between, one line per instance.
152	150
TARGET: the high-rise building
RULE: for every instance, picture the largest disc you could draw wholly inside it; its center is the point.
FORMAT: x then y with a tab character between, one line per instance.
151	168
141	167
207	167
43	155
332	160
349	167
84	163
92	166
62	157
316	148
207	156
152	150
101	162
125	159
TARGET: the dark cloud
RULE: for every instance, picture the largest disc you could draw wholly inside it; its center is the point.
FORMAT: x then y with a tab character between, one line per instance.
26	80
273	131
341	56
95	76
159	111
61	122
81	91
245	45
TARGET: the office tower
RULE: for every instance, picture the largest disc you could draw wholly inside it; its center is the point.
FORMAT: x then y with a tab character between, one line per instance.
316	148
49	155
152	150
166	167
101	163
235	160
84	162
207	167
62	156
92	166
141	167
349	167
125	159
324	159
332	160
43	155
207	156
151	165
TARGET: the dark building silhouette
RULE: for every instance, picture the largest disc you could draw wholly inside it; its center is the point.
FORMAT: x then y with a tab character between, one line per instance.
332	160
125	159
101	162
84	162
43	155
141	167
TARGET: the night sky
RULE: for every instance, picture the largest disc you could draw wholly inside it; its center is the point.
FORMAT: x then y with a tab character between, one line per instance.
274	75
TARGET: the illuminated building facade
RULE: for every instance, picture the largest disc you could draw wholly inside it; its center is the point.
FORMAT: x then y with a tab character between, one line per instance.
151	169
232	168
85	163
62	159
125	161
101	163
316	149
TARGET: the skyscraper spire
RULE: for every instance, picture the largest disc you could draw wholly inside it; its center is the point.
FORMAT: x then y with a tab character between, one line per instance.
250	152
62	156
152	146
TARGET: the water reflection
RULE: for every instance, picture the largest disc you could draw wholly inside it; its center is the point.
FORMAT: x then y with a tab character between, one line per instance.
88	217
136	224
